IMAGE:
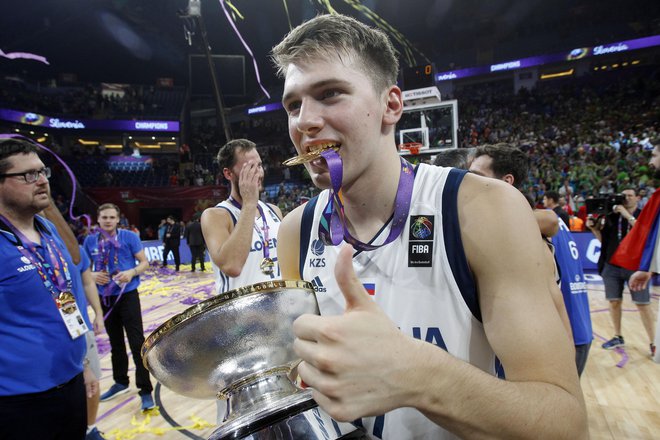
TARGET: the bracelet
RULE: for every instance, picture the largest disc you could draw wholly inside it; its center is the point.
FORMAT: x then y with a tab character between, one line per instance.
136	272
631	219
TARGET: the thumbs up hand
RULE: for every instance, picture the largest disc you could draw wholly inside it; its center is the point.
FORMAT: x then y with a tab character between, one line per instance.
357	363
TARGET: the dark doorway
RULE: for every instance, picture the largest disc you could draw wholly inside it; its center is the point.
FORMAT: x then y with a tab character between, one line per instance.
151	217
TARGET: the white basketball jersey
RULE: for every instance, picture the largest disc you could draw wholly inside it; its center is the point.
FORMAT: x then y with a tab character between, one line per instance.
421	280
251	272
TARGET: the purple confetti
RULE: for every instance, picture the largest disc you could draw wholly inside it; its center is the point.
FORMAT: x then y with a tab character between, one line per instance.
25	56
247	48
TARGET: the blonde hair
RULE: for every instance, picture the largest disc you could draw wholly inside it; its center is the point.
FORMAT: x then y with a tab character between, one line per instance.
347	38
105	206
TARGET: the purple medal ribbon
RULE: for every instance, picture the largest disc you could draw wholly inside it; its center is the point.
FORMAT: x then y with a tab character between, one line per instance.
332	227
54	273
106	243
264	228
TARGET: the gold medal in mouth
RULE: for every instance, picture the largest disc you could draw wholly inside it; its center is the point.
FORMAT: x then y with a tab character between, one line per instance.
309	156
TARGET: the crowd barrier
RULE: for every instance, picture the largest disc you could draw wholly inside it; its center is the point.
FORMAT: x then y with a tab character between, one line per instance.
153	249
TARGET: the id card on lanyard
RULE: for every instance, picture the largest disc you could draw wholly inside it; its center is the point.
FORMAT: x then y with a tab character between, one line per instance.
56	277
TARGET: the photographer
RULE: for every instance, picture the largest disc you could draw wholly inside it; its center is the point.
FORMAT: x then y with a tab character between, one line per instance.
610	228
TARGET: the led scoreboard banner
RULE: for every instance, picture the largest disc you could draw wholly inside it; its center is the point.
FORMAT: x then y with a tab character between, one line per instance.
37	120
573	55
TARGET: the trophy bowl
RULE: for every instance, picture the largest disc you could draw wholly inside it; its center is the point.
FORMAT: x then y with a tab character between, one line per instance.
238	340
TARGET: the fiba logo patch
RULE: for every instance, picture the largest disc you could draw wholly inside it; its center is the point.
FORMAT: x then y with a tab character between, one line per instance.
317	247
421	228
25	259
420	241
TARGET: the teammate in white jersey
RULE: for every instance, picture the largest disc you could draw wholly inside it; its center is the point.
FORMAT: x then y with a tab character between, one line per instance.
241	232
340	95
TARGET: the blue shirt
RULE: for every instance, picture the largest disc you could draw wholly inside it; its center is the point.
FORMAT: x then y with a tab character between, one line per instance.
129	245
36	350
573	285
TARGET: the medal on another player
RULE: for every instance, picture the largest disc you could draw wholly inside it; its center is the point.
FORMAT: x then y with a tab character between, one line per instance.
267	265
67	302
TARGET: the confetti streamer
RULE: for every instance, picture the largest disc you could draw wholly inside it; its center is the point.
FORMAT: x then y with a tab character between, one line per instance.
143	427
24	55
247	48
286	10
384	26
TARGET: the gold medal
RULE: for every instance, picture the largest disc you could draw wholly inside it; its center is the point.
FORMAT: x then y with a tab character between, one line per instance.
306	157
67	302
267	266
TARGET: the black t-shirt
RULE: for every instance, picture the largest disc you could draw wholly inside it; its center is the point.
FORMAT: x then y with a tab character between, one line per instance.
616	227
562	215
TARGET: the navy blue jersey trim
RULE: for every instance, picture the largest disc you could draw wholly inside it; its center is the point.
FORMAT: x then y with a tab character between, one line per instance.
380	231
224	282
233	218
499	368
454	244
273	211
306	223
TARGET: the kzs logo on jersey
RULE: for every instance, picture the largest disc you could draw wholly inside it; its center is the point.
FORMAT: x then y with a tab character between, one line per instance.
317	249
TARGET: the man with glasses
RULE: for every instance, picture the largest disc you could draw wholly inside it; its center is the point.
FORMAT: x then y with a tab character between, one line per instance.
31	176
42	343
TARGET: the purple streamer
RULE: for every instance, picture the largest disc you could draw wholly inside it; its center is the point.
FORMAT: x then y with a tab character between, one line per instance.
240	37
72	176
190	301
24	55
618	350
102	345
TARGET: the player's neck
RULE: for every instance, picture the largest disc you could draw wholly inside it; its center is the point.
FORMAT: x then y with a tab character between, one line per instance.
236	196
369	201
109	234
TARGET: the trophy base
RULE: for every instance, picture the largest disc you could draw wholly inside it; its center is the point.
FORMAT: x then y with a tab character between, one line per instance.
296	417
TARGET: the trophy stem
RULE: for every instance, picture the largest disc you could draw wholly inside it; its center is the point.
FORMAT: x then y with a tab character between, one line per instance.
256	392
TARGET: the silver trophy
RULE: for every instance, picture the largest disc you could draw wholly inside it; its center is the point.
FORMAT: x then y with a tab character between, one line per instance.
238	347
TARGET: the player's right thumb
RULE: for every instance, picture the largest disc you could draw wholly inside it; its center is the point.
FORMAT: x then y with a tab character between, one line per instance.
354	292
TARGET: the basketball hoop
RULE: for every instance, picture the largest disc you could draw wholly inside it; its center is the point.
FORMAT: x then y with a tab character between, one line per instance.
412	147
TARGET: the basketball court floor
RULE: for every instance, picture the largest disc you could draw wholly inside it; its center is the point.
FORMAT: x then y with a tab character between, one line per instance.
621	388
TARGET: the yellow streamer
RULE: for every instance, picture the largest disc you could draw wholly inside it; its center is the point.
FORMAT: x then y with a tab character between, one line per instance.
286	10
143	427
233	8
379	22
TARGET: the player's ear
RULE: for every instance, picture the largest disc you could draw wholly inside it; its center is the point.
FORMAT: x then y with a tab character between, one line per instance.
394	106
227	172
508	178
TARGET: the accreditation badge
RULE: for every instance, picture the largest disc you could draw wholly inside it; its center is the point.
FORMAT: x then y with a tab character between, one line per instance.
70	313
